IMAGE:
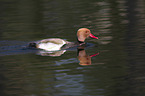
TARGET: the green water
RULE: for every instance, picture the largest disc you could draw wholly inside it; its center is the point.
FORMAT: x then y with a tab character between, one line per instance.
118	69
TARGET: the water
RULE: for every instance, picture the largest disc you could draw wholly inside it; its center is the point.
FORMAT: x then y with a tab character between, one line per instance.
116	68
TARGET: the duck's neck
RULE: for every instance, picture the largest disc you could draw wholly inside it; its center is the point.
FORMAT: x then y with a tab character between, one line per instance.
80	42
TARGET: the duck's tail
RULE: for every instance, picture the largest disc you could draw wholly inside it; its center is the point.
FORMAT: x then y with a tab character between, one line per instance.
32	45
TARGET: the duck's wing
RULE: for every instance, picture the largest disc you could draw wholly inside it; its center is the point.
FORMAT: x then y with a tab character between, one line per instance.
52	44
53	40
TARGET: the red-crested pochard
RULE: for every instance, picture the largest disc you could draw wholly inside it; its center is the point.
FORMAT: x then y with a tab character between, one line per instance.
55	44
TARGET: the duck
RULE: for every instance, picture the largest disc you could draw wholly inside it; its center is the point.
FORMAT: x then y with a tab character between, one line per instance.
56	44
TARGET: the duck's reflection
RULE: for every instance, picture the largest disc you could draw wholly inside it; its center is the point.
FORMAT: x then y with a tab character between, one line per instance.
84	58
53	54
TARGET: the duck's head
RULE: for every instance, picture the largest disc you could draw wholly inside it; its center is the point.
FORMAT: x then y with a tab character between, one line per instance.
84	33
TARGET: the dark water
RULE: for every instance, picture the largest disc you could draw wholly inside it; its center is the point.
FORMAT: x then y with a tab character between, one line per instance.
117	69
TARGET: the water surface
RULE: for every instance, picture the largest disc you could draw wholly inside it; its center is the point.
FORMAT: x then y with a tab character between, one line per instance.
117	69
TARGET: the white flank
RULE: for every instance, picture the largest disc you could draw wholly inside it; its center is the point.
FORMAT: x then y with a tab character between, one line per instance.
51	46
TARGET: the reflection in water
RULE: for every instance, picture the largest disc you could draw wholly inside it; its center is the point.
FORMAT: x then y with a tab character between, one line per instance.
118	71
84	58
53	54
